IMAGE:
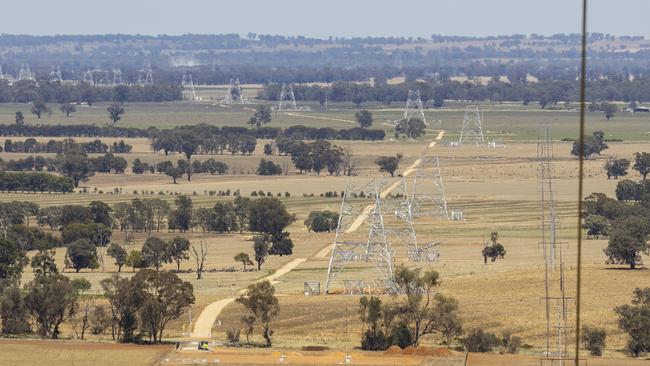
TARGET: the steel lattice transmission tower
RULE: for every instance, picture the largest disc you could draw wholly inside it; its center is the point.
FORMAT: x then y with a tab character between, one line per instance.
188	87
146	76
25	73
117	77
428	194
472	129
234	94
361	205
55	74
414	107
88	77
287	92
552	251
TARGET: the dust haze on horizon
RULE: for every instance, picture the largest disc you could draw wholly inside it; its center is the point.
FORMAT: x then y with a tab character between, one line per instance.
322	19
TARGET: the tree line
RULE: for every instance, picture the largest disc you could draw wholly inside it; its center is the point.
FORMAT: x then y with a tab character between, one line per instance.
139	307
34	182
81	130
30	145
434	92
45	91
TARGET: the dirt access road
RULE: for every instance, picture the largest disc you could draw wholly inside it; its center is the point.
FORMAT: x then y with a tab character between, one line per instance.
203	325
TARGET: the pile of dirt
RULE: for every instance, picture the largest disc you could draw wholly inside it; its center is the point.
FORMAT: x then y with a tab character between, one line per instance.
315	348
424	351
442	352
393	350
410	350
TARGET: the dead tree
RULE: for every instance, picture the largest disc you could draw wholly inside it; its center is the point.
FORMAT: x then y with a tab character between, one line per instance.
199	257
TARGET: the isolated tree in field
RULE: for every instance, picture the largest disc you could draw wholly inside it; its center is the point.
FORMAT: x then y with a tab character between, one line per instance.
364	118
388	164
411	128
168	168
634	320
261	117
642	163
494	249
261	302
261	249
12	260
268	149
178	248
244	259
50	300
594	145
77	167
593	339
119	255
269	215
596	226
39	108
165	297
616	168
115	112
322	221
282	245
67	108
609	110
155	252
82	254
627	241
20	119
200	253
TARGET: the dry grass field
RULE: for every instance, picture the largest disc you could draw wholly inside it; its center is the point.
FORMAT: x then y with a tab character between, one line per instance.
496	188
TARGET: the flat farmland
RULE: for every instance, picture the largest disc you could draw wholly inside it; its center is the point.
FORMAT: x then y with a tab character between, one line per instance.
497	189
502	122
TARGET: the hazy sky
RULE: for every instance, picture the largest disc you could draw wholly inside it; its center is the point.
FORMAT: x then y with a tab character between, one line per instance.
322	18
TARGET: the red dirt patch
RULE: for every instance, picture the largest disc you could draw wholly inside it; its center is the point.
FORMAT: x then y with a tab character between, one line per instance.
393	350
442	352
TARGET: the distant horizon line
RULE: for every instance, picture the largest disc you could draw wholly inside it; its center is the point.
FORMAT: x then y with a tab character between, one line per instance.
325	38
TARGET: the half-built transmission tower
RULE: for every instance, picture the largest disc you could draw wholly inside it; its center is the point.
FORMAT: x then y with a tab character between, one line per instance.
414	107
428	194
25	73
472	129
55	74
189	92
361	208
555	293
287	93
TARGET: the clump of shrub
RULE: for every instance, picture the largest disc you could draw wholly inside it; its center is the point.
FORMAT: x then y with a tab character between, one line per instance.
593	339
480	341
